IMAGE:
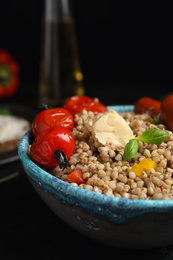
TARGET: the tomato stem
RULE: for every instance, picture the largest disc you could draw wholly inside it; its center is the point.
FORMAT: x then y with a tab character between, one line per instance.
44	107
5	75
61	158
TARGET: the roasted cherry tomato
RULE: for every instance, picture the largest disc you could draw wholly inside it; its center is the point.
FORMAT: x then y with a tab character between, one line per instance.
147	105
46	144
76	104
52	117
166	111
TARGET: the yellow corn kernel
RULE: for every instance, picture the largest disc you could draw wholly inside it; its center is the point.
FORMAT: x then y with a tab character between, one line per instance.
148	164
137	169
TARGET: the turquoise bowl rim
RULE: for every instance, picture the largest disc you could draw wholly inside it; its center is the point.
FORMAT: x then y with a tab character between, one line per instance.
117	210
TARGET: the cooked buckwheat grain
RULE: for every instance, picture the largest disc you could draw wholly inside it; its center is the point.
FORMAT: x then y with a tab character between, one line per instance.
105	171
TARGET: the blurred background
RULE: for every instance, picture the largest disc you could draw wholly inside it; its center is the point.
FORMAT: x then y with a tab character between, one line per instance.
125	47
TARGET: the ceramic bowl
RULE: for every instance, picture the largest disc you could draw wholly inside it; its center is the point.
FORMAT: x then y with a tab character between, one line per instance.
119	222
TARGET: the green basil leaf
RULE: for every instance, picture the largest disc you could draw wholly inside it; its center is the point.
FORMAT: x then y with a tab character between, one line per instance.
5	111
131	149
157	119
154	136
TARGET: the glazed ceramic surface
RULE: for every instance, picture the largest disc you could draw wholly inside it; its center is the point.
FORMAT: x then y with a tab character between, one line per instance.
119	222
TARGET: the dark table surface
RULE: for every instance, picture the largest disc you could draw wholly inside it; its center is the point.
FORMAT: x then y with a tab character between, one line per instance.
30	230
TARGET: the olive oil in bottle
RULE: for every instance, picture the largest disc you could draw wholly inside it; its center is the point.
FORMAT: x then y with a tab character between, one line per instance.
60	72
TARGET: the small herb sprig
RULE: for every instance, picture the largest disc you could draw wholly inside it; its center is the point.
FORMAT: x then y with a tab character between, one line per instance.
150	136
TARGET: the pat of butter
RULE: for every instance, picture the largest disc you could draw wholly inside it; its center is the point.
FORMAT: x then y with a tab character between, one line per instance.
111	127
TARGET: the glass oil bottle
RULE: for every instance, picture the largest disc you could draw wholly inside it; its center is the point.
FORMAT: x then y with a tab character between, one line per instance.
60	72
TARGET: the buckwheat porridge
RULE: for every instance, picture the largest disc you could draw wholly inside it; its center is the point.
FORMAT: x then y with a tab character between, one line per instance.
104	169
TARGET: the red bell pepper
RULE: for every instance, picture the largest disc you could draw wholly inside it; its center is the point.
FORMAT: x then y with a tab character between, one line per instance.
9	71
76	176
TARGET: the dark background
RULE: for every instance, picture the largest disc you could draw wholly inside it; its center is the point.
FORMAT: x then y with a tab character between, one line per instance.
125	47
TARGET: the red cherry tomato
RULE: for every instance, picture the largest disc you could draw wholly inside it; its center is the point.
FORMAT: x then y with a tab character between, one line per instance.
76	104
147	105
46	143
166	111
52	117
